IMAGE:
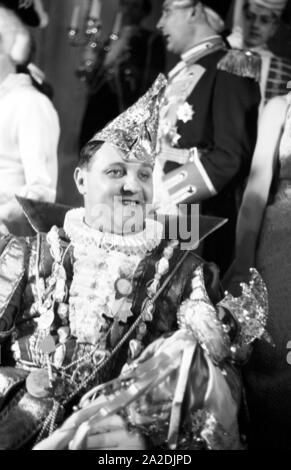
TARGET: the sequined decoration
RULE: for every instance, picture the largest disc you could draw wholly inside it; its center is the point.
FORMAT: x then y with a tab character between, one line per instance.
199	316
135	131
250	310
47	297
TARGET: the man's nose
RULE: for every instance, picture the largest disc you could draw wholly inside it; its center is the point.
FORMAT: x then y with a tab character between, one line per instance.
160	23
256	22
131	184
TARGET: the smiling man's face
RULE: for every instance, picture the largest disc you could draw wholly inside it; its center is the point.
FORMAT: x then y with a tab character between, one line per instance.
115	191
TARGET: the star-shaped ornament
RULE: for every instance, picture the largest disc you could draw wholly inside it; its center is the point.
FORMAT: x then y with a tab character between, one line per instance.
185	112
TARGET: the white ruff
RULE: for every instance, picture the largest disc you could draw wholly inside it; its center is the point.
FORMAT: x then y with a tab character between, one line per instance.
99	260
137	243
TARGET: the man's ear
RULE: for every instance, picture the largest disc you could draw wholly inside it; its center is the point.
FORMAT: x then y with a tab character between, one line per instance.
21	47
80	180
197	11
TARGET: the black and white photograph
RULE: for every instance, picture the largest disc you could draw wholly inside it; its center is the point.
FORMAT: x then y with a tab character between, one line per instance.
145	190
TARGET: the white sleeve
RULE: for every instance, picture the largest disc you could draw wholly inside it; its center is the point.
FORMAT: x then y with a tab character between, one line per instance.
38	132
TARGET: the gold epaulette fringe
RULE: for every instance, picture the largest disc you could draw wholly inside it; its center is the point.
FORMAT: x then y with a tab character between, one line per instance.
244	63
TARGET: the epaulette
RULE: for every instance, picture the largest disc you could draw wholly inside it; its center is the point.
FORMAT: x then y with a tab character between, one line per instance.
244	63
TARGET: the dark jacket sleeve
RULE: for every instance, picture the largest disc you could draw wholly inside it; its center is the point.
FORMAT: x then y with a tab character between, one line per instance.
235	113
13	267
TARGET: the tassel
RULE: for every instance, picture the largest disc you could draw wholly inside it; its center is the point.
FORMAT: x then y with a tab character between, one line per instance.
243	63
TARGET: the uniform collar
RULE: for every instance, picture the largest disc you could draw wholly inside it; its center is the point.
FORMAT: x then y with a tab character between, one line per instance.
196	52
199	50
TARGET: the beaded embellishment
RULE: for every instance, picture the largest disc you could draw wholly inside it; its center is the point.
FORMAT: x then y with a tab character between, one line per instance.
135	346
199	316
162	267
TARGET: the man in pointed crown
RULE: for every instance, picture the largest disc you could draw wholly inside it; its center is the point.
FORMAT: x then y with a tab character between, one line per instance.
79	304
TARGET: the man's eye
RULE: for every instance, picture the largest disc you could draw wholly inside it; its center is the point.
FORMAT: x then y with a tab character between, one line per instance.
144	175
115	172
266	20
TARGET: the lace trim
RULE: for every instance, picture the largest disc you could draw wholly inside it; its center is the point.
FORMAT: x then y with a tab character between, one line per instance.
139	243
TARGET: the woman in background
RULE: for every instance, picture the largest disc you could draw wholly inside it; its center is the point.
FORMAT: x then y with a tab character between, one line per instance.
263	240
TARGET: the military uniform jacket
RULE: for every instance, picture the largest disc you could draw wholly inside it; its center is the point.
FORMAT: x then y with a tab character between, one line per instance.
224	128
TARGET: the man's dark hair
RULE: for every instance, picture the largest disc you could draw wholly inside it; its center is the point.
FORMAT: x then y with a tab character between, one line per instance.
146	7
88	151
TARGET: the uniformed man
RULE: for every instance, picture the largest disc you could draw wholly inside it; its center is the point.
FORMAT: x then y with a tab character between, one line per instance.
208	121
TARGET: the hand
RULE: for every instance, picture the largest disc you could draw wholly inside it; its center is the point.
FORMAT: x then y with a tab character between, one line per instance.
110	434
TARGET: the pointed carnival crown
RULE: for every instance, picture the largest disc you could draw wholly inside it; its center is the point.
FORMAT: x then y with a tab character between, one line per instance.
135	131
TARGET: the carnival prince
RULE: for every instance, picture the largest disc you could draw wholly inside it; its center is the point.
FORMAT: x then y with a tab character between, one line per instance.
80	302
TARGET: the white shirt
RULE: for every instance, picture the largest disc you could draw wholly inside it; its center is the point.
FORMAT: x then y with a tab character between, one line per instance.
29	135
266	56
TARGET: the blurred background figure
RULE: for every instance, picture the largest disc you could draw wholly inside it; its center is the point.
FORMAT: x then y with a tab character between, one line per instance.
125	68
263	240
29	127
258	21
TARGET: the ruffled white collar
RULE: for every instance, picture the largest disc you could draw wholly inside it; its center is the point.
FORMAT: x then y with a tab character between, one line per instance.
137	243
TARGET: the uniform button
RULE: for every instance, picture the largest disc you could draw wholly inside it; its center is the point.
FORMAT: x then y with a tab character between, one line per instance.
192	189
